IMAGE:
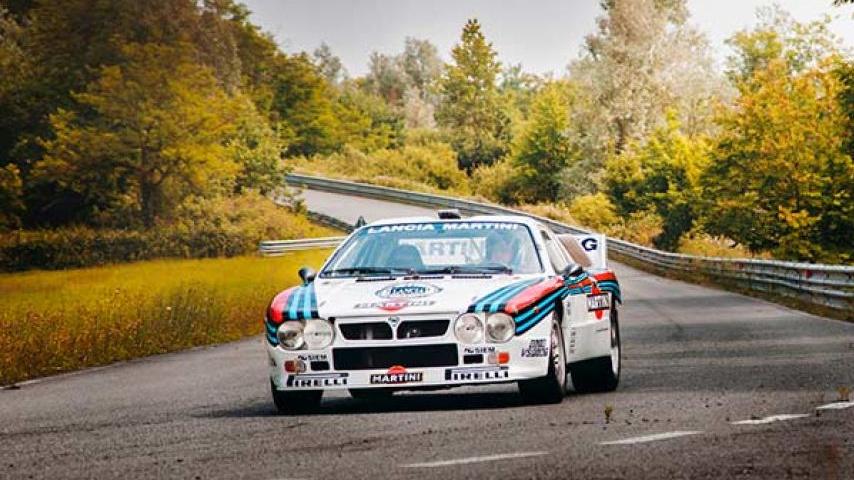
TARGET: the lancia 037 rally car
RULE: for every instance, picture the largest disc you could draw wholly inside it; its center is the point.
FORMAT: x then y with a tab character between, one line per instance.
427	303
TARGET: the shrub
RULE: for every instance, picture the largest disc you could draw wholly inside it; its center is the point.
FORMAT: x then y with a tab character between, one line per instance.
207	228
423	165
594	211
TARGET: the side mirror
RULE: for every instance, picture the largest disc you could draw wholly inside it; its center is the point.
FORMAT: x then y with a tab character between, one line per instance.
572	270
307	275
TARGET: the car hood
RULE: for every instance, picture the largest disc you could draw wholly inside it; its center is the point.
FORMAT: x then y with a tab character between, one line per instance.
348	297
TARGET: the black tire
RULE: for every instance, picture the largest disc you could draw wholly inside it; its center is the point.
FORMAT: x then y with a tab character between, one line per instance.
295	402
552	387
371	393
600	374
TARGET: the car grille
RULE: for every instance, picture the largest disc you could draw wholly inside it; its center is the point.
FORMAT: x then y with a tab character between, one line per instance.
366	331
415	356
422	328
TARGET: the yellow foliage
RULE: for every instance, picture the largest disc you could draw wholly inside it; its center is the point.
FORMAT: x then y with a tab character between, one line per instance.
52	322
594	211
428	166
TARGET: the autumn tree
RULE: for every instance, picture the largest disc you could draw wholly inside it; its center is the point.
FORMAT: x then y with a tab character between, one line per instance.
782	181
469	106
643	59
662	176
303	106
544	148
145	136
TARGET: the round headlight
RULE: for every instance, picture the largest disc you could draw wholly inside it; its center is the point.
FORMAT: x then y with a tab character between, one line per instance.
500	327
290	335
318	334
469	328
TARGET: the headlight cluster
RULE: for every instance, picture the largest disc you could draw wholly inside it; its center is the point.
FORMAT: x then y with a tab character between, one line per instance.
469	328
312	334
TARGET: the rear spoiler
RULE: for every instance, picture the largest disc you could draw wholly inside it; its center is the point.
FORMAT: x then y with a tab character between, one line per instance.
595	245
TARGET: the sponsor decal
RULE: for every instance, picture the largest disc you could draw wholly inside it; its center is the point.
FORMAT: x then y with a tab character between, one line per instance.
476	374
313	357
589	244
317	380
396	375
478	350
408	290
537	347
597	301
441	226
394	305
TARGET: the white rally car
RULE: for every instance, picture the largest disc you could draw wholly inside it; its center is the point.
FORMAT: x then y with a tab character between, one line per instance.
426	303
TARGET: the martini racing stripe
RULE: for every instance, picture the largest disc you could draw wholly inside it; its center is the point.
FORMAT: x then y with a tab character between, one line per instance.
494	301
302	304
533	314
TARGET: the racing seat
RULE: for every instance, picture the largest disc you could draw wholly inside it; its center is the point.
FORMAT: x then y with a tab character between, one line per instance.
405	257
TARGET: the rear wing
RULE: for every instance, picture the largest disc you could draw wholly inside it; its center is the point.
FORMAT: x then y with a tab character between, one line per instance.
595	245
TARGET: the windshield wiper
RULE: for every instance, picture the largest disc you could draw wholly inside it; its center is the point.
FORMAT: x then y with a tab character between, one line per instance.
361	271
455	269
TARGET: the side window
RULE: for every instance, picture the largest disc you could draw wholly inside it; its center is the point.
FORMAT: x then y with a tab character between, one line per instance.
556	255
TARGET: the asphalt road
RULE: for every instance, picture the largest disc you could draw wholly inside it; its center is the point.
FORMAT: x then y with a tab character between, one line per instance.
696	362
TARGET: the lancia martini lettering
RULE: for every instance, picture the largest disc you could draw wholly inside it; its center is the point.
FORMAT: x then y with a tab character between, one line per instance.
415	303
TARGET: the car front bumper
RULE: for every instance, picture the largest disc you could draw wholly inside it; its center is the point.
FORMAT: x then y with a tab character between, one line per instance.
437	362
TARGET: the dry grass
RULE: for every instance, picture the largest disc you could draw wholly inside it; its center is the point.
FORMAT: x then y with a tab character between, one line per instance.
58	321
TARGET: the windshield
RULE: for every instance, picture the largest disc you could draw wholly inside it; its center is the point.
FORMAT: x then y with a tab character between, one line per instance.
440	247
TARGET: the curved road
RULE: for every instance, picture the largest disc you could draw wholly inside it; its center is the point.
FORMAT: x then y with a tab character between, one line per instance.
715	385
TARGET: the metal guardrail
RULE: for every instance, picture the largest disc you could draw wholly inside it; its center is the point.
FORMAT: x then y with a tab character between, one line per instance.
825	285
272	248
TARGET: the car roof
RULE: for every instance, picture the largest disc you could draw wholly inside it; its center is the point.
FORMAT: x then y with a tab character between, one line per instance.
478	218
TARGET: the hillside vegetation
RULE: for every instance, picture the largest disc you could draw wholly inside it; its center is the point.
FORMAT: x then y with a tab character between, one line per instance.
52	322
123	117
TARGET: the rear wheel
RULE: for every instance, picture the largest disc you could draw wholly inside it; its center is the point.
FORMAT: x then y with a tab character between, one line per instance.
600	374
371	393
552	387
295	402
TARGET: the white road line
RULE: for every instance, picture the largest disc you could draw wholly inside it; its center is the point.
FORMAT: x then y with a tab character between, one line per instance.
487	458
835	406
772	418
651	438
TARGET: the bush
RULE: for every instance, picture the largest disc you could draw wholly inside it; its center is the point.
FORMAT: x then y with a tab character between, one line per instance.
594	211
424	165
207	228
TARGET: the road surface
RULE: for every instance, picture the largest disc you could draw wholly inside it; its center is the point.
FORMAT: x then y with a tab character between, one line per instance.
715	385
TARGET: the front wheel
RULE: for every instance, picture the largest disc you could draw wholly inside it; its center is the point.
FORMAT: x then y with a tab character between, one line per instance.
295	402
600	374
552	387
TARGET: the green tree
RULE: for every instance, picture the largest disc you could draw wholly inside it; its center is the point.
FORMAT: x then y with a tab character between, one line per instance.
662	175
11	205
303	106
469	105
544	148
782	180
146	135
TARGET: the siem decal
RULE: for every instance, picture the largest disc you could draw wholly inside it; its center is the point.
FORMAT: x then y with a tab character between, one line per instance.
478	350
537	347
396	375
313	357
476	373
408	290
317	380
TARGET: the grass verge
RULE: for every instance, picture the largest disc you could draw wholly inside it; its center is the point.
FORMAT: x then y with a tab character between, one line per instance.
57	321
